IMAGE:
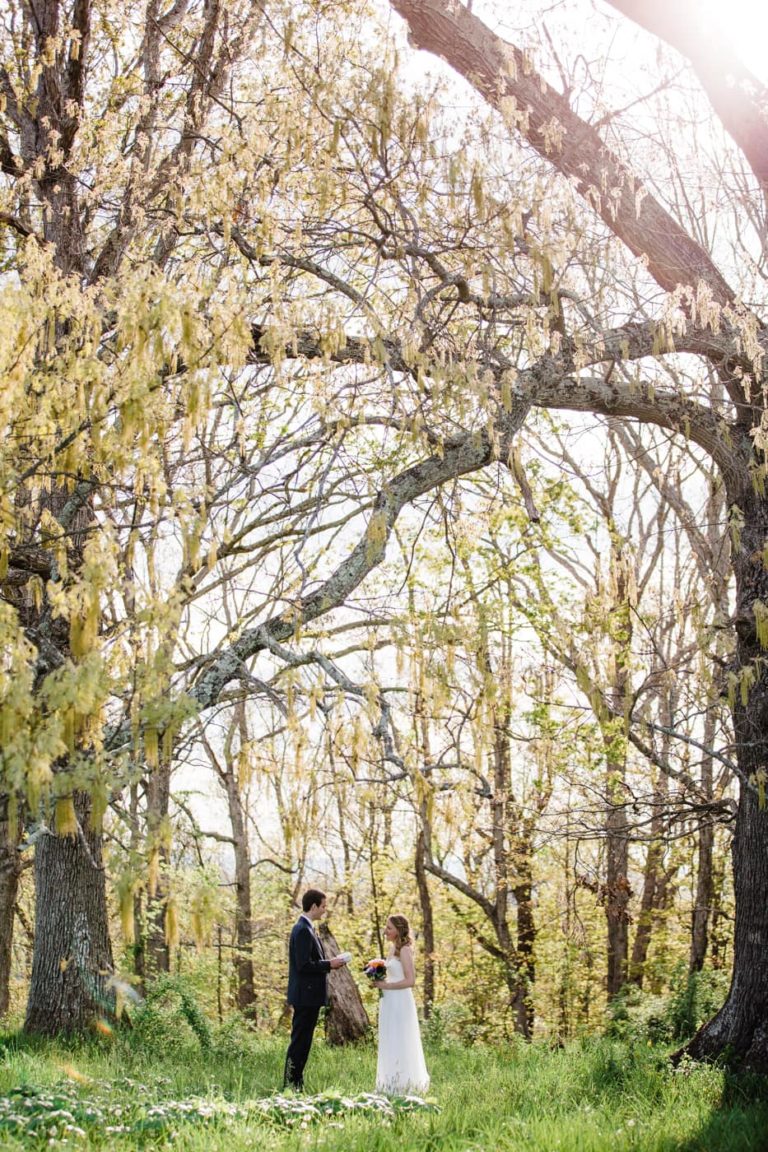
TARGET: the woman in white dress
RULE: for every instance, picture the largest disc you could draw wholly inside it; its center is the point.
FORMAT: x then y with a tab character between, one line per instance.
401	1066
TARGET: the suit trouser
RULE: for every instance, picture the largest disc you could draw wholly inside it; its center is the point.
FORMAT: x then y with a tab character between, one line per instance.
302	1031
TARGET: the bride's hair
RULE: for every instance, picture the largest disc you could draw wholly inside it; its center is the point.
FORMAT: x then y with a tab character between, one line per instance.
403	929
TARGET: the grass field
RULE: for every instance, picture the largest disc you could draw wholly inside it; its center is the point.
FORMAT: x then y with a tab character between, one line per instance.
597	1096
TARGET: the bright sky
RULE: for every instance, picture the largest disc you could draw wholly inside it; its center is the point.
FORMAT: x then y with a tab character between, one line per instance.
743	23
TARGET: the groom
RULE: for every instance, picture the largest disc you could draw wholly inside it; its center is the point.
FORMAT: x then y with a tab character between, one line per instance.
307	984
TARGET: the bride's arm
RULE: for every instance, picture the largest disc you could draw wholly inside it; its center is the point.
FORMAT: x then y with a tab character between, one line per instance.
409	975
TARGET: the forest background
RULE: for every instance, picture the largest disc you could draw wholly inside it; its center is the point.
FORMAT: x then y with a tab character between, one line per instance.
383	508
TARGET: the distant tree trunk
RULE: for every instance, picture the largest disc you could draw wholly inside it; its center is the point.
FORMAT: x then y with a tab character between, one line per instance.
504	840
72	959
157	954
10	871
702	906
648	907
653	881
246	992
425	897
346	1020
526	934
340	790
139	924
720	933
428	927
617	889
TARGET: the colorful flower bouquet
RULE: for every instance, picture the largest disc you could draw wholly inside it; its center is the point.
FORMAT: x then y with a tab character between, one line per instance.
375	970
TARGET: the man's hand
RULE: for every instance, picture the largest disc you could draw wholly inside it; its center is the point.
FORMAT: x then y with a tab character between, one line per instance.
338	962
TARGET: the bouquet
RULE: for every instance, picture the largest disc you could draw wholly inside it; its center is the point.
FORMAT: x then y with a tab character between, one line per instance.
375	970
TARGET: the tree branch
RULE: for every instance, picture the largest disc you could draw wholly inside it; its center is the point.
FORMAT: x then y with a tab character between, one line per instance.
502	74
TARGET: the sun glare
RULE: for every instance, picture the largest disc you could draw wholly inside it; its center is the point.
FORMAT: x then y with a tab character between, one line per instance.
744	25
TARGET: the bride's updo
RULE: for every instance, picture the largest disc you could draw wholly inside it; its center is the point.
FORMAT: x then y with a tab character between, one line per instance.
403	929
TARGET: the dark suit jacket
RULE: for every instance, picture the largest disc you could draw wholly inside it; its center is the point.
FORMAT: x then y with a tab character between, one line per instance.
307	968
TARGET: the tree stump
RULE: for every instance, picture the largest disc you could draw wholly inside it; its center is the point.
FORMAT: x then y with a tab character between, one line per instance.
346	1020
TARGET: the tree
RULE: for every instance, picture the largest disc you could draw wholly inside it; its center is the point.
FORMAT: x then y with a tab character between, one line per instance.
724	415
150	351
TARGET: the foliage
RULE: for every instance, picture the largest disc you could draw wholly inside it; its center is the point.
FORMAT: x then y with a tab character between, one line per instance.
694	998
645	1017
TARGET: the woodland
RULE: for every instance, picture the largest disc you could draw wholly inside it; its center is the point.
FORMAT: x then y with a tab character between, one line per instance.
383	509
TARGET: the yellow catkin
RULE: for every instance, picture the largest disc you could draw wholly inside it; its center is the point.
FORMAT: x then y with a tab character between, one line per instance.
171	924
65	819
127	923
99	800
153	872
12	814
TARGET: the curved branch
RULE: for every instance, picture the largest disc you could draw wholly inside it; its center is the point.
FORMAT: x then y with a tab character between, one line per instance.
611	397
462	454
505	78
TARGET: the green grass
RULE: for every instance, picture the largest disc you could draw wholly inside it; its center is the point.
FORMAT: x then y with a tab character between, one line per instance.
598	1096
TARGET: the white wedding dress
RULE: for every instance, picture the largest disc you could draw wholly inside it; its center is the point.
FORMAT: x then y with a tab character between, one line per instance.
401	1066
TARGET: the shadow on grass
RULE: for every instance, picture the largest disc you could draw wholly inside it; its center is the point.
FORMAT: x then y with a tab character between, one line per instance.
739	1123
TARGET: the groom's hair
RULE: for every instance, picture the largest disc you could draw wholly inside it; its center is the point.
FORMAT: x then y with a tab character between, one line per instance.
311	897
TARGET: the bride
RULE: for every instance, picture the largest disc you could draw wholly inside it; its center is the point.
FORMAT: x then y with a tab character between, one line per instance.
401	1066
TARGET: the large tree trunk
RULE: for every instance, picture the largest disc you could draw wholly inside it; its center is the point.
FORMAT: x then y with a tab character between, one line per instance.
346	1020
10	871
72	960
741	1026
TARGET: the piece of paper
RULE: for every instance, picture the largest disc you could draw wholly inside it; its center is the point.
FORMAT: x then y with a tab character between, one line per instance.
345	956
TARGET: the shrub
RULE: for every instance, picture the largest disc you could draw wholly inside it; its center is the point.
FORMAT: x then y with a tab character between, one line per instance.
168	1003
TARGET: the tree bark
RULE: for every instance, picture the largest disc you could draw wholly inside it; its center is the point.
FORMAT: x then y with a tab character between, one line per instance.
346	1020
526	935
741	1026
421	726
702	905
72	962
617	889
246	992
157	953
10	871
428	926
653	881
648	900
703	899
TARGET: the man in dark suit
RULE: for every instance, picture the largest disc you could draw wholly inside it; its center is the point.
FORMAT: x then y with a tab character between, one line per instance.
307	984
